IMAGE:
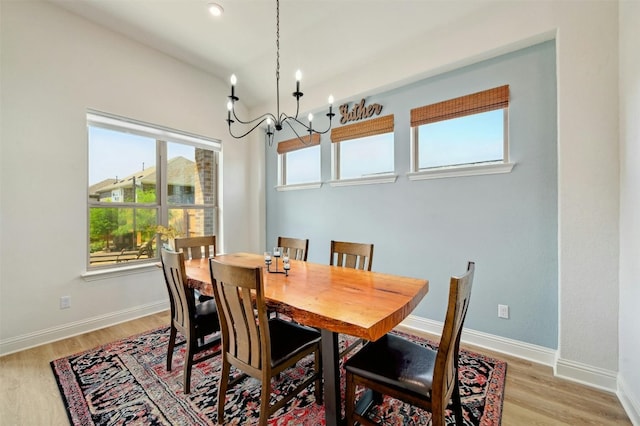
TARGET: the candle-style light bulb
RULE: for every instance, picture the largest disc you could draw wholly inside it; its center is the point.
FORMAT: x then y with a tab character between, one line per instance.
229	108
298	78
310	118
234	80
330	100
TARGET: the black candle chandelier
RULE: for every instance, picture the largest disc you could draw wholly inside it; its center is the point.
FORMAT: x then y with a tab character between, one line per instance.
275	122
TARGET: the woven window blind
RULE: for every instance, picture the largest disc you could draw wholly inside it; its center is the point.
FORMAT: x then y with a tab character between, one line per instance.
296	144
487	100
376	126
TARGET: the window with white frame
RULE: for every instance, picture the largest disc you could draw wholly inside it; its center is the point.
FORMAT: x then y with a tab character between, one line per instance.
147	185
363	151
299	161
466	132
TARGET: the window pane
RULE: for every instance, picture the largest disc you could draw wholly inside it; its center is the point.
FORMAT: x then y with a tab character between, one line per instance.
366	156
303	166
190	174
471	139
121	167
127	201
192	222
121	234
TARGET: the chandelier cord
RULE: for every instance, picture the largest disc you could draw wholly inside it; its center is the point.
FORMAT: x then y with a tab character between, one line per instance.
278	60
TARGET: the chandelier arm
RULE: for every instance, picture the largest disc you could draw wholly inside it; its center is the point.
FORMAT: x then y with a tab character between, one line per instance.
307	128
287	118
261	118
248	131
300	138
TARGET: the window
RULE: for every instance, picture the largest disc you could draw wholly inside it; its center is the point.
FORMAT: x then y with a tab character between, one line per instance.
363	152
366	156
468	134
299	162
141	177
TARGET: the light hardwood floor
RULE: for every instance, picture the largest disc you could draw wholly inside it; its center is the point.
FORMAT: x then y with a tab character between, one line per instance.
29	393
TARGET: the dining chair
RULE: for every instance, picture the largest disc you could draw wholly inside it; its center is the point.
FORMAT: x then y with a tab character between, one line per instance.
195	321
410	372
356	256
259	346
197	248
351	255
297	248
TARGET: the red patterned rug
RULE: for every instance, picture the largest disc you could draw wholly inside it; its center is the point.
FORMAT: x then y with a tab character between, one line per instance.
126	382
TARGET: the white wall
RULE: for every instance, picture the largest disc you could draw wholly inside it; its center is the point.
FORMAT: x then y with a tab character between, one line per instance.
629	377
55	65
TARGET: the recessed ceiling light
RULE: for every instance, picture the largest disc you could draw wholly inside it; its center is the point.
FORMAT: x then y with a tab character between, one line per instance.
215	9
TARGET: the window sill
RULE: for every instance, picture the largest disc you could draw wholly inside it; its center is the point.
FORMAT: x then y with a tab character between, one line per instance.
465	170
386	178
295	187
119	271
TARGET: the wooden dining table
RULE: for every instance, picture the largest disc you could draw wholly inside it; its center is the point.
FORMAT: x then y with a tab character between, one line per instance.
333	299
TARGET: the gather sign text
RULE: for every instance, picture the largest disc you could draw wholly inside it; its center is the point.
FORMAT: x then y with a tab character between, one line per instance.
359	111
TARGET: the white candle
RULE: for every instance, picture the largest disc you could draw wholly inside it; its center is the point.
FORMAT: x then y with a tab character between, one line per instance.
286	266
285	259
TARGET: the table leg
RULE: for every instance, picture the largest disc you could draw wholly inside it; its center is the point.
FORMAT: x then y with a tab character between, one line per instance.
331	373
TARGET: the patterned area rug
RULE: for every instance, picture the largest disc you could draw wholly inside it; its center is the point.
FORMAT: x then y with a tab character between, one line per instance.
126	382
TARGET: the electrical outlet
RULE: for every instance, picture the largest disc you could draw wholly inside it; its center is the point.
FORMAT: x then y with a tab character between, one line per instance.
503	311
65	302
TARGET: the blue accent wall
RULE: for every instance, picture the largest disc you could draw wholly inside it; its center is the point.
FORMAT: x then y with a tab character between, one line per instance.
506	223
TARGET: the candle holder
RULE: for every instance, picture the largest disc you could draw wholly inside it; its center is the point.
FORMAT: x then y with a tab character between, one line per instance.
277	253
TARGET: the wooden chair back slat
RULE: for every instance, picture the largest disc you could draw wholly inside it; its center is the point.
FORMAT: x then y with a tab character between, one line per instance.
197	247
242	317
445	372
296	248
181	301
351	255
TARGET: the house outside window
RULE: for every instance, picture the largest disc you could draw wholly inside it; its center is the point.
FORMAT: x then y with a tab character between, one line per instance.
147	185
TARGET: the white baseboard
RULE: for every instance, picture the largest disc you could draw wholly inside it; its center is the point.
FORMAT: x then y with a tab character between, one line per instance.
589	375
48	335
630	402
528	351
571	370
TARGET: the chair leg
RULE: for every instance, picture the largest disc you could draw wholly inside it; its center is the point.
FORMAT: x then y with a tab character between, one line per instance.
438	412
222	388
172	344
264	402
188	363
350	399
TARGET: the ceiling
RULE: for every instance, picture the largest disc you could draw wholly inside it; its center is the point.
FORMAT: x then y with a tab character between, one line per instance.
323	38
